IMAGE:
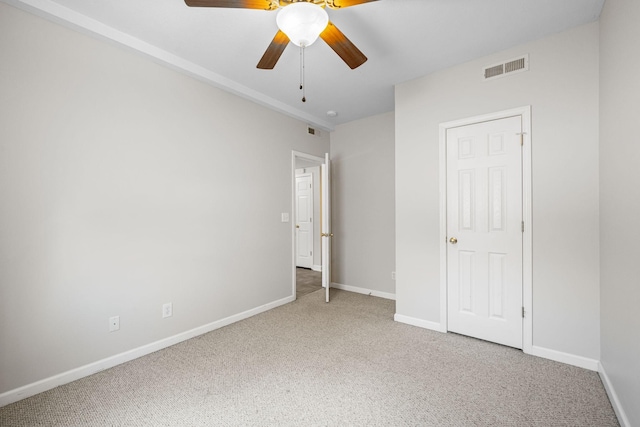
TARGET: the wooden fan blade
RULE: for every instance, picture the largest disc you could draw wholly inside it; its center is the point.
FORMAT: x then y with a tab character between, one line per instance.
343	46
240	4
274	51
339	4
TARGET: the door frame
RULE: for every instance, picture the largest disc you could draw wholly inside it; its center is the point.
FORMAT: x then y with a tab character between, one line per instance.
527	271
295	155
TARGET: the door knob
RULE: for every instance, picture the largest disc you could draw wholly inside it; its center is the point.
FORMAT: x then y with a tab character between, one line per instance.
297	226
453	240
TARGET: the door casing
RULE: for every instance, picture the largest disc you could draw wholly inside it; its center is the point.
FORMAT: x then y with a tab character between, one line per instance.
527	277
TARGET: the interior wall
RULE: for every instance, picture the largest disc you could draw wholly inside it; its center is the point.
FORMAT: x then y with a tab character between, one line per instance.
363	217
562	88
126	185
317	242
620	202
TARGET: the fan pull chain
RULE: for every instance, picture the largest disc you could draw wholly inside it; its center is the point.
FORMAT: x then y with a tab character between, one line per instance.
304	98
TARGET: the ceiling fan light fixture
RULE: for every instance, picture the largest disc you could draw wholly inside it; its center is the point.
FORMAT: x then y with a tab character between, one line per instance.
302	22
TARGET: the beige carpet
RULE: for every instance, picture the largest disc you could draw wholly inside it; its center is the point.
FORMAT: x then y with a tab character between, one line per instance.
314	364
307	281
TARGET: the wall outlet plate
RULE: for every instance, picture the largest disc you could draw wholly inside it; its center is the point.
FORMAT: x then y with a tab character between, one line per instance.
167	310
114	323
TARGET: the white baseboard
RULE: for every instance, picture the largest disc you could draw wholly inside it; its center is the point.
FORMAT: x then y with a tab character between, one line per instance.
28	390
434	326
364	291
613	397
316	268
569	359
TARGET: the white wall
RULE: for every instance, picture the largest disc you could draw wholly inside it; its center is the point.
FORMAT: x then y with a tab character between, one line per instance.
125	185
562	88
620	202
362	160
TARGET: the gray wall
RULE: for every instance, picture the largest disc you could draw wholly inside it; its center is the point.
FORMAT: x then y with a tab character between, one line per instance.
125	185
620	201
362	160
562	88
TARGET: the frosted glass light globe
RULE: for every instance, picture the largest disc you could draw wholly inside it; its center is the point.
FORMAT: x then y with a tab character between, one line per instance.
302	22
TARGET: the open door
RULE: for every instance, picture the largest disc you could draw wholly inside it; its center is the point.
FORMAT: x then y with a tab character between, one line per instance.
325	231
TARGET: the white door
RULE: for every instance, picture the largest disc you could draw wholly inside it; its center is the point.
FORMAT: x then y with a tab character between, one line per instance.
325	232
484	230
304	220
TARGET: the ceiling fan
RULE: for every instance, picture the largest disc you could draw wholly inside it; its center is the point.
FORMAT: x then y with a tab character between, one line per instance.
300	22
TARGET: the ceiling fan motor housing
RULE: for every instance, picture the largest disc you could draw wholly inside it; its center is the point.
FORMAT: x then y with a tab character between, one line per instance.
302	22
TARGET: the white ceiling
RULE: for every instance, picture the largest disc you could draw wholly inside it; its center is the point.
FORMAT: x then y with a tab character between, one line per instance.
403	39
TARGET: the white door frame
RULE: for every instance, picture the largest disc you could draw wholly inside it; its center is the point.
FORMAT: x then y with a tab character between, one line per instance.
527	272
294	156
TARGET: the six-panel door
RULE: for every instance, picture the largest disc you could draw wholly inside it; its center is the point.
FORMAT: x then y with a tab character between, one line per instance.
484	231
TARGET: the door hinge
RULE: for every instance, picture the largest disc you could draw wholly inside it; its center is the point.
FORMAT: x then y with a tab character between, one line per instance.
523	312
310	253
521	137
523	226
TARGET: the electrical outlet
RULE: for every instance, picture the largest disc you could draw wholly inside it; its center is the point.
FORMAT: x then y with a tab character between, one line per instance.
393	275
114	323
167	310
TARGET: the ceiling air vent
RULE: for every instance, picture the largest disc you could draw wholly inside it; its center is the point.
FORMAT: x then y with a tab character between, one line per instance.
313	131
508	67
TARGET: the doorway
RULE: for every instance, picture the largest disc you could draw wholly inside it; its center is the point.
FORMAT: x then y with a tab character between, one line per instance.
485	170
307	245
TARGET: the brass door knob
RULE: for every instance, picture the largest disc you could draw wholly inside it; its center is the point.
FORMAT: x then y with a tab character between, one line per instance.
297	226
453	240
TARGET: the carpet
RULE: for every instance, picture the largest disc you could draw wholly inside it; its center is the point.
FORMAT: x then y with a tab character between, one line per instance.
308	363
307	281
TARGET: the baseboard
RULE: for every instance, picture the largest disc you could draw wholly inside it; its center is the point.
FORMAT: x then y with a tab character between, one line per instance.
569	359
434	326
613	397
28	390
316	268
364	291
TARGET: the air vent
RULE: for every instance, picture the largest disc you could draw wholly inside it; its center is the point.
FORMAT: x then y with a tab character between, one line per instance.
494	71
508	67
311	131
